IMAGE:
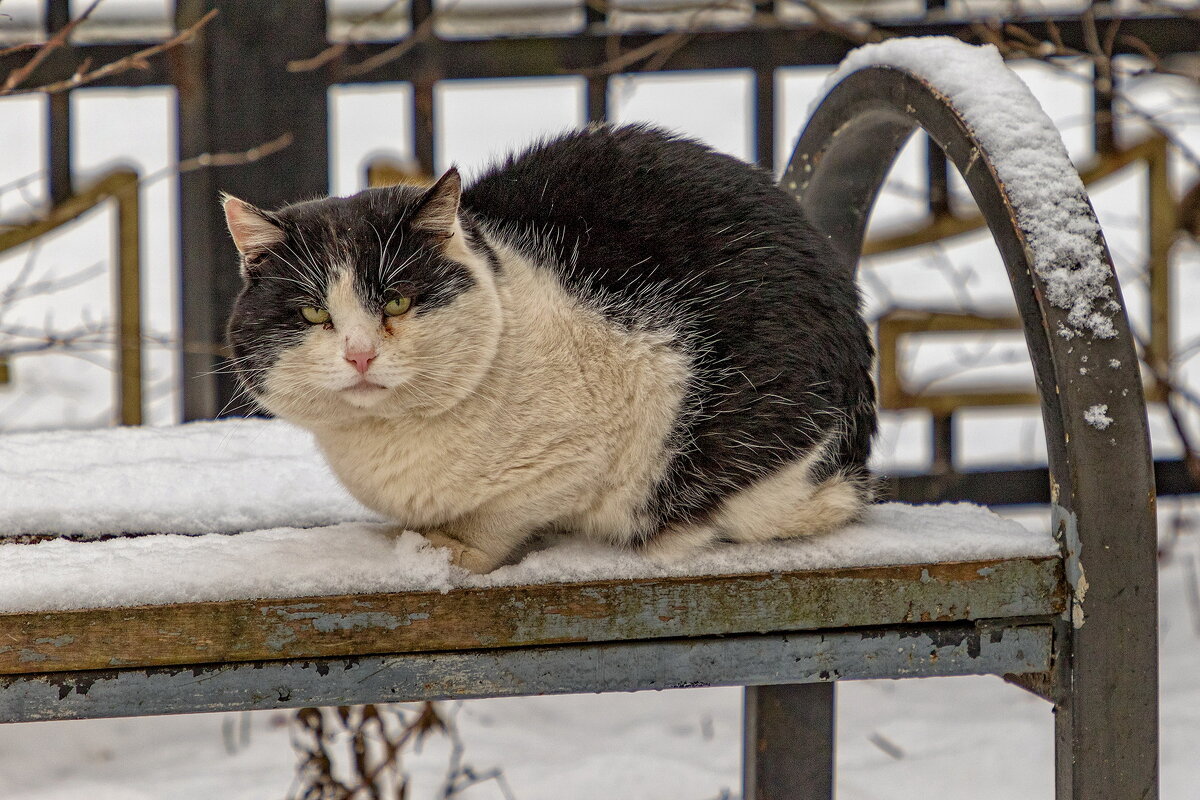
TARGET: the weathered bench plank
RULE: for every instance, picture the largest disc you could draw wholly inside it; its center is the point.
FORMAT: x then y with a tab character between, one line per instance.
235	631
912	651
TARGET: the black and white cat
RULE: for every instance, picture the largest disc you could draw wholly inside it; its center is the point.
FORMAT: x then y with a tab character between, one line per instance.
618	332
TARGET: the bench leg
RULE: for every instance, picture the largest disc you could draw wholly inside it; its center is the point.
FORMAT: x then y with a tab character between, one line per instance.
788	742
1106	722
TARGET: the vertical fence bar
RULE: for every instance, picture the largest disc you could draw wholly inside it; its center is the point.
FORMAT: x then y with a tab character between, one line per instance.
424	148
1163	224
1104	134
236	93
595	20
764	119
938	172
424	135
1104	122
58	119
597	98
941	443
129	301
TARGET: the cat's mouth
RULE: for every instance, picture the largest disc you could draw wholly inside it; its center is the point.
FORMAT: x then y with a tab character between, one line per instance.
363	386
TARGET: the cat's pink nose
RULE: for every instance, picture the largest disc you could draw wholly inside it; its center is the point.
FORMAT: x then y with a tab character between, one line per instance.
362	359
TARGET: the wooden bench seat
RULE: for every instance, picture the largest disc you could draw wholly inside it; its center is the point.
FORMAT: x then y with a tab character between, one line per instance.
975	617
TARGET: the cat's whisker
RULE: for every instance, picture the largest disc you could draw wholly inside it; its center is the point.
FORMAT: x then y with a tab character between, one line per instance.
384	248
394	271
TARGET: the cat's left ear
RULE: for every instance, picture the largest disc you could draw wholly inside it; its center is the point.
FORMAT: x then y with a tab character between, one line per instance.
436	213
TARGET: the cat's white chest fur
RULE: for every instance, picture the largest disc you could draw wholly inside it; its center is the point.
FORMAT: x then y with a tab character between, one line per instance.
419	477
567	429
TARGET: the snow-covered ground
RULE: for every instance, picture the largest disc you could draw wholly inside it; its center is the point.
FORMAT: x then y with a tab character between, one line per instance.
974	737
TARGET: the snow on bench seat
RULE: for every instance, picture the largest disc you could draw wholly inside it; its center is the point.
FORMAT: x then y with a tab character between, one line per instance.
304	536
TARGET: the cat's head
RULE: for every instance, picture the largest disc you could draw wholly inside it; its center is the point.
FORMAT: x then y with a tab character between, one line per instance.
379	304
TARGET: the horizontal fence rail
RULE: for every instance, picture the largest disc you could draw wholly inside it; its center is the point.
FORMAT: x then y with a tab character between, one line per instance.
297	60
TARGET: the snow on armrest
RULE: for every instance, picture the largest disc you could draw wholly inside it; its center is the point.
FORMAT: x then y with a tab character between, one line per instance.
1047	195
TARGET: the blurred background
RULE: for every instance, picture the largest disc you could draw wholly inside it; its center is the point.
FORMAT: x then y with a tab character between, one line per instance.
121	121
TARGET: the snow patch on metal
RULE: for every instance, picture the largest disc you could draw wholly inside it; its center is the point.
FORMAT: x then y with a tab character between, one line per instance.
1097	416
1047	196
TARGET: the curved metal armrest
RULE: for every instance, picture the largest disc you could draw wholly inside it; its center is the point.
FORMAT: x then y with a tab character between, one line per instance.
1102	482
1102	485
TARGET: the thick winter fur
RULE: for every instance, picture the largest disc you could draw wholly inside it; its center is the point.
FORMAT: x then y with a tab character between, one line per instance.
617	332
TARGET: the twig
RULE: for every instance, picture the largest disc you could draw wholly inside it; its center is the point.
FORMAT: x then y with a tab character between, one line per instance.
17	291
19	48
84	338
336	51
85	75
13	289
623	61
256	153
21	73
460	776
857	31
421	33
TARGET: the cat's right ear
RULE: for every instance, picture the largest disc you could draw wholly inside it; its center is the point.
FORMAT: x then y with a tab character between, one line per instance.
436	213
252	230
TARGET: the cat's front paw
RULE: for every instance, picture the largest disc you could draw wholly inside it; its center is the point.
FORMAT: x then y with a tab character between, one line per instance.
680	542
469	558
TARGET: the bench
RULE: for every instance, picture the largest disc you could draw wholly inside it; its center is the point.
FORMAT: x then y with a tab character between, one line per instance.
1073	619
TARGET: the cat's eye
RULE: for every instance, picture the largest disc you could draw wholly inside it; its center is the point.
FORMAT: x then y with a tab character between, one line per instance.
395	308
315	316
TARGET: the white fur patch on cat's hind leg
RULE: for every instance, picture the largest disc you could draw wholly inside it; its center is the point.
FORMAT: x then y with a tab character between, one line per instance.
787	504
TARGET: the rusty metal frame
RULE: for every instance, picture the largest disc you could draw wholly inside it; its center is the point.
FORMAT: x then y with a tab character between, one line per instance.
893	394
764	659
1104	679
120	186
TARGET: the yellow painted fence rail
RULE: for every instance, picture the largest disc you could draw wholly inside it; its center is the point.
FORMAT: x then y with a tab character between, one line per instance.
120	186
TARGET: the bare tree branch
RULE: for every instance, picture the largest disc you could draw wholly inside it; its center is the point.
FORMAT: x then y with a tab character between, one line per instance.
85	74
20	74
421	33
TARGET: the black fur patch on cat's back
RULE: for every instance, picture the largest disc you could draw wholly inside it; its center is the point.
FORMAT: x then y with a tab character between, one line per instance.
631	208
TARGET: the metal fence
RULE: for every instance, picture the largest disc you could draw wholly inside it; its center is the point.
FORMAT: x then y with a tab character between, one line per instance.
260	72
